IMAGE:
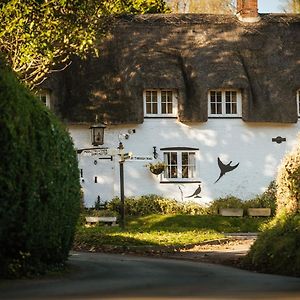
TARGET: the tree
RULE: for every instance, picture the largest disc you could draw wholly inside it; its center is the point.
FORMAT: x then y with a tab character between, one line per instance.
292	6
39	36
202	6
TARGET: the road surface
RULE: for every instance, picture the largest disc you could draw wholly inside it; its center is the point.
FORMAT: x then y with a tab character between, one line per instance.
109	276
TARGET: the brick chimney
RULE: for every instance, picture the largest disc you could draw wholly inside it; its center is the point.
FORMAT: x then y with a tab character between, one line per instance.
247	10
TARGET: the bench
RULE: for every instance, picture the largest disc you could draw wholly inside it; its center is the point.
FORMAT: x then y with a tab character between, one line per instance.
112	221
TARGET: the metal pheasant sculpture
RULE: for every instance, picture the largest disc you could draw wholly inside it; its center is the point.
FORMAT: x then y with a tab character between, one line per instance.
196	193
225	168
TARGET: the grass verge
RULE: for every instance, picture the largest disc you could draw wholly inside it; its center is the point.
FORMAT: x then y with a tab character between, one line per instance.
164	231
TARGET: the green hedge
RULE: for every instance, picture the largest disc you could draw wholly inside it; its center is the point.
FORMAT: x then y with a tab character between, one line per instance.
39	184
154	204
277	250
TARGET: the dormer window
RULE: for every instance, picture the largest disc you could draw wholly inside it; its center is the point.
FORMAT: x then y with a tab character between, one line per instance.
44	96
160	103
224	103
298	102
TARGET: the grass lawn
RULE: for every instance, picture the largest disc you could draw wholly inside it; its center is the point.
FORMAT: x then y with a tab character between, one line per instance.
165	230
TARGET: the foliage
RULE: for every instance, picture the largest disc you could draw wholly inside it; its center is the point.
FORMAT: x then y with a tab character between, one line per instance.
157	168
204	6
38	36
265	200
154	204
277	250
39	183
288	183
226	202
291	6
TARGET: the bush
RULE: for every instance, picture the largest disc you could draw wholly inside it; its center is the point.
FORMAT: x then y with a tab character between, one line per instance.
226	202
154	204
288	183
277	249
265	200
39	183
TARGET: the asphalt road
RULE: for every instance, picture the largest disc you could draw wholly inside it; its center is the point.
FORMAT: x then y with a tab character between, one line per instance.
105	276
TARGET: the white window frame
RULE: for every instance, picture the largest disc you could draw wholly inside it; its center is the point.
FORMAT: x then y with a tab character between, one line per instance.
159	103
223	114
46	94
179	178
298	102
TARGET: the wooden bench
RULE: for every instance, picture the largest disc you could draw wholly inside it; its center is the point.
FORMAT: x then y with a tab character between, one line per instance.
112	221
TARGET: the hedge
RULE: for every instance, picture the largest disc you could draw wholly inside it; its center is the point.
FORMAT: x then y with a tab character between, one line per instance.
39	184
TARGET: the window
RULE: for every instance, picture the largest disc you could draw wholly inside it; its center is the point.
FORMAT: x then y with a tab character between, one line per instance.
44	96
298	102
160	103
224	103
181	165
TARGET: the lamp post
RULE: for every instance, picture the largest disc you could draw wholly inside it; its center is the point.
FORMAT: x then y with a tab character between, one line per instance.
122	197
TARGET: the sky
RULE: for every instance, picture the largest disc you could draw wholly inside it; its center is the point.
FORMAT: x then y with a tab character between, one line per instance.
266	6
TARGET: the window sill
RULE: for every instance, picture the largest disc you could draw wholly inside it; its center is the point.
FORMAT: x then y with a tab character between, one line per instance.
160	117
225	117
180	181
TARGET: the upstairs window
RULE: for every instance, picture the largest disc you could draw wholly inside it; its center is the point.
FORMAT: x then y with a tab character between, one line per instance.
44	96
224	103
298	102
181	165
160	103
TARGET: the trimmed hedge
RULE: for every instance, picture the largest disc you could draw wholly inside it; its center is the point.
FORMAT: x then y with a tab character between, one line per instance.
39	183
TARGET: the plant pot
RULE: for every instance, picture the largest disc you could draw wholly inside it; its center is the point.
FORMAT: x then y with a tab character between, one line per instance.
156	170
259	212
231	212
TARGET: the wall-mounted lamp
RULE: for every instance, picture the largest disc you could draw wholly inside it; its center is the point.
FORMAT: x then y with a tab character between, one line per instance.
97	133
155	154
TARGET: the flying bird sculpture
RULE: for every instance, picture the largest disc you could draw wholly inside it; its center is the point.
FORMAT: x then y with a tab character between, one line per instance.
196	193
225	168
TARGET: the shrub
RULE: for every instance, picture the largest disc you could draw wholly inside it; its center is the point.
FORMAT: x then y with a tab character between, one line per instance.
277	249
288	183
226	202
39	183
154	204
265	200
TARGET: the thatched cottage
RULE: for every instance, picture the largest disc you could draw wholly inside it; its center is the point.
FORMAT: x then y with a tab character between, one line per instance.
214	97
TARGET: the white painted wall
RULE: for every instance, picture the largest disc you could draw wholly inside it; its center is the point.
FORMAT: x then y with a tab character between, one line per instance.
249	144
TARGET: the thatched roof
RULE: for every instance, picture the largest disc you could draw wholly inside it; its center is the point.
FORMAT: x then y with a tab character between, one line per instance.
192	54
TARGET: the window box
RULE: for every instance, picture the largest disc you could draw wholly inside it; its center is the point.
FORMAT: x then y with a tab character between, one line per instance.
259	212
231	212
224	103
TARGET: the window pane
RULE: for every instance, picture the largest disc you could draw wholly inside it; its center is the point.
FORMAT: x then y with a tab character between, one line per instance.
298	103
219	108
215	102
188	164
166	102
154	108
151	102
228	108
170	158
